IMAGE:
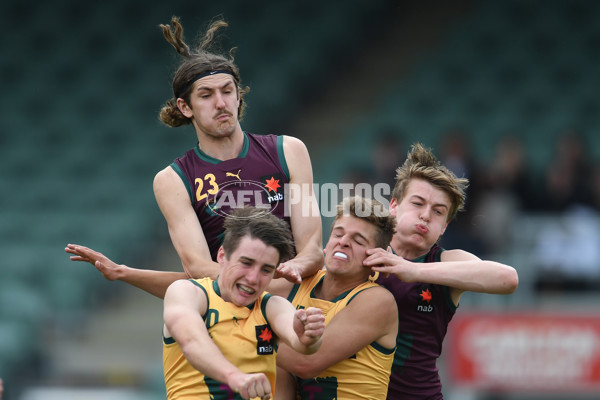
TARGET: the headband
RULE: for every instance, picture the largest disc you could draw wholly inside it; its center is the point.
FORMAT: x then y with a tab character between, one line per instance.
202	75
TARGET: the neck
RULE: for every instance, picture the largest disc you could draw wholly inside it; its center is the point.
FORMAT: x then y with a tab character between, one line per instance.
406	251
222	147
332	286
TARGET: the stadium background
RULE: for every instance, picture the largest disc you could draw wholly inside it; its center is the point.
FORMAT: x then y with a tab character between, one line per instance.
358	81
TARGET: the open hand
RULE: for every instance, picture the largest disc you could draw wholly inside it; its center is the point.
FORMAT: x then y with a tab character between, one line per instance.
109	269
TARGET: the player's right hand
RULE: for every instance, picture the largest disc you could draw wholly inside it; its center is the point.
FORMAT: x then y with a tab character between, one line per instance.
250	386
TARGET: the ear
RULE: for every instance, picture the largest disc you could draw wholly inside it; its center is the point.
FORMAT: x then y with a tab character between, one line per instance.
221	255
239	100
393	207
184	108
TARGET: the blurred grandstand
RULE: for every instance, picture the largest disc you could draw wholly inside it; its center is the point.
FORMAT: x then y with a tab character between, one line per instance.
499	89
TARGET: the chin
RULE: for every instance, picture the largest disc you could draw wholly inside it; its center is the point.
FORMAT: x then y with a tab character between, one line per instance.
226	129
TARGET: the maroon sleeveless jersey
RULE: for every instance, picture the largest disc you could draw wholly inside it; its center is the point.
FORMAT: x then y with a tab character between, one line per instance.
424	311
255	178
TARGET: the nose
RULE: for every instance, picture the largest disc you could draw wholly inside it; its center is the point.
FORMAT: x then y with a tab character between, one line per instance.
220	102
345	241
252	275
426	214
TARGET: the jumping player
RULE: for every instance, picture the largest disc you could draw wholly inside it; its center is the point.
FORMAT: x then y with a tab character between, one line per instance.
227	169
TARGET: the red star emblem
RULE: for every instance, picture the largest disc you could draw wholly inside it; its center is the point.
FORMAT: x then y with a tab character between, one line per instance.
266	335
426	295
272	184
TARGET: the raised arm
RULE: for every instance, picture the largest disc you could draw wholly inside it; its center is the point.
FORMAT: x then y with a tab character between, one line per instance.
186	235
184	228
299	329
372	316
184	305
458	269
305	217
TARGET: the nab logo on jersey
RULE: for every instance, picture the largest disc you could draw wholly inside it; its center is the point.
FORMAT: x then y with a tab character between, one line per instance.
273	185
264	340
426	297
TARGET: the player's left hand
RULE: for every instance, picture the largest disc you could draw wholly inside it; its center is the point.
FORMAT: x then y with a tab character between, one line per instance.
107	267
309	325
386	262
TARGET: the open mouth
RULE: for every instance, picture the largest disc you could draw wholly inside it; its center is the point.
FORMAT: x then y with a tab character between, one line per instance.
245	289
340	255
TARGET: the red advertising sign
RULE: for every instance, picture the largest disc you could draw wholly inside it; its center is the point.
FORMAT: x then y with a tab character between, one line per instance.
521	352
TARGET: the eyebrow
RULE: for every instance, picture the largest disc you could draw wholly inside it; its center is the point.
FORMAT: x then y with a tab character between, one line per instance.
252	260
339	228
435	205
211	89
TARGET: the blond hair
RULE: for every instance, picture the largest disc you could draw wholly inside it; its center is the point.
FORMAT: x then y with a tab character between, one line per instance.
421	163
373	212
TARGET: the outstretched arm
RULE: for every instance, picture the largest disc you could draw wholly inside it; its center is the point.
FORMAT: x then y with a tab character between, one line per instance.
186	235
299	329
305	217
184	305
154	282
184	228
458	269
372	316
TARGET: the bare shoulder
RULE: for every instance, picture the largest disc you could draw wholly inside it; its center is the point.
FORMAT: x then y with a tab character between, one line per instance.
375	298
295	151
187	293
182	286
293	143
166	176
168	185
297	159
376	310
277	301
